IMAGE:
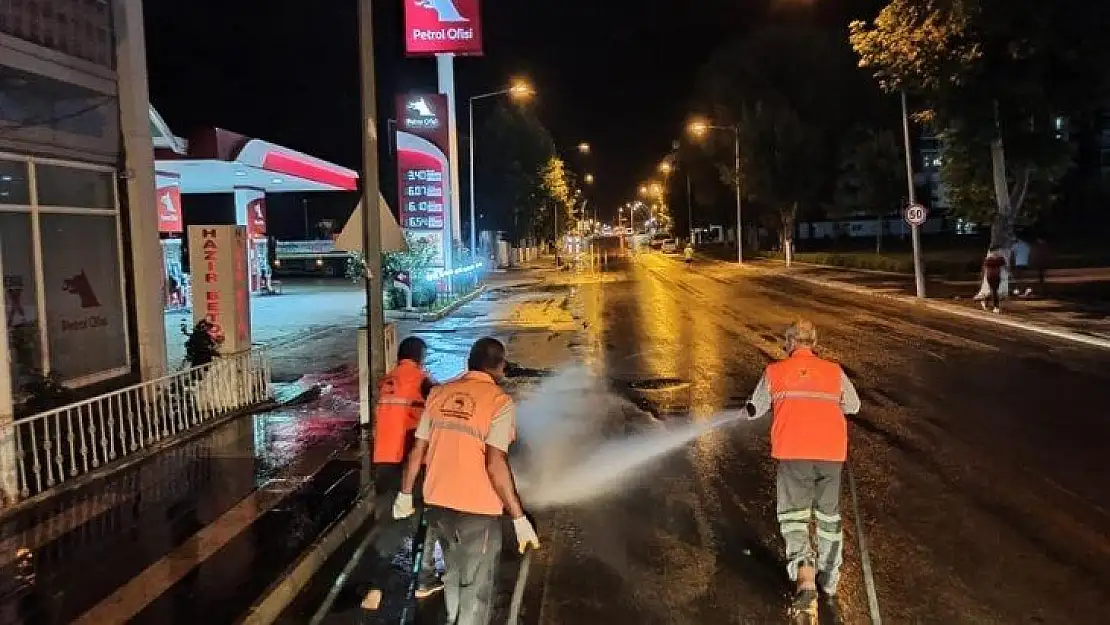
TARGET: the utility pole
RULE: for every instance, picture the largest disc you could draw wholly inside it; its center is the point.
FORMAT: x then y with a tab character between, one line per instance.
371	220
739	204
915	231
689	208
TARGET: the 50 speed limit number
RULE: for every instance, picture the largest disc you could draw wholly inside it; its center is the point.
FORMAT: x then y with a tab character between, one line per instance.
916	214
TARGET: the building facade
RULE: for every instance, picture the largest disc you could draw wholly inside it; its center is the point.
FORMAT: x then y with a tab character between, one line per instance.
78	224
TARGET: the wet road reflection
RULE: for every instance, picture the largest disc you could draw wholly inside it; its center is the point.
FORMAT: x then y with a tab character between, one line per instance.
980	506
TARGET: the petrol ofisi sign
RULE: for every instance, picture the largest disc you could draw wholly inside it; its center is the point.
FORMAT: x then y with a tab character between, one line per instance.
423	174
443	27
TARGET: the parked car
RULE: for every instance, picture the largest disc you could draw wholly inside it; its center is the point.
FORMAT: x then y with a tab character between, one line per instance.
669	246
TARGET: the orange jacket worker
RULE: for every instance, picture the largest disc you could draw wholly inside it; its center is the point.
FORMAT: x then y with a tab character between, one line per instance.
464	438
401	395
809	398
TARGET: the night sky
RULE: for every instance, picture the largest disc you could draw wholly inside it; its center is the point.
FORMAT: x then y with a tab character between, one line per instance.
620	74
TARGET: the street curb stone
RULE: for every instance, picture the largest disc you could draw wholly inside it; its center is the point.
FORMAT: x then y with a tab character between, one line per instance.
1043	329
401	315
292	581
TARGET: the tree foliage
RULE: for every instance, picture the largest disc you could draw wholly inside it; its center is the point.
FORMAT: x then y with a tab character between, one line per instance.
872	174
993	75
794	90
514	152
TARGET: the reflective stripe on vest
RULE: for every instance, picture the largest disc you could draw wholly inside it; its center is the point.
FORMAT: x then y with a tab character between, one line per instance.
812	395
393	400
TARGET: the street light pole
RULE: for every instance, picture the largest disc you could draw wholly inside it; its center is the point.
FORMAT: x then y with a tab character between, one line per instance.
689	209
371	223
915	231
473	213
739	203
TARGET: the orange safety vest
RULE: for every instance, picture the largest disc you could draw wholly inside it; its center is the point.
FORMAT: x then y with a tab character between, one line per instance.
400	406
809	423
461	413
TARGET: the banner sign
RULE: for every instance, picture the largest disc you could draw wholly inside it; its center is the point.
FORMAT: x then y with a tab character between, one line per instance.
169	210
443	27
221	283
422	169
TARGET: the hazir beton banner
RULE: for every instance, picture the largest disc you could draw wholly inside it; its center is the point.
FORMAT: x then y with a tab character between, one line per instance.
443	27
221	286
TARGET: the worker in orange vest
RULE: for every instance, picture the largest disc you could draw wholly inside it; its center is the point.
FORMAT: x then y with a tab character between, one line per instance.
809	398
401	395
464	438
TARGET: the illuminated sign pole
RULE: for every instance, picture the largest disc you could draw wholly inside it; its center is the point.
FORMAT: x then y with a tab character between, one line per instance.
444	29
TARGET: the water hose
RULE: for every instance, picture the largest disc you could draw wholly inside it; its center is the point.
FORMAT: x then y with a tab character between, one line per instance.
518	591
868	576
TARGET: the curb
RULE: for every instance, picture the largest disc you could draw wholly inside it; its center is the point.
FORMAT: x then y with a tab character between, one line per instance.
440	314
292	580
1037	328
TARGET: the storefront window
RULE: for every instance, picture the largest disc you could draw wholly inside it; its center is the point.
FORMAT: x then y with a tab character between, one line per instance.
70	187
85	317
14	187
18	263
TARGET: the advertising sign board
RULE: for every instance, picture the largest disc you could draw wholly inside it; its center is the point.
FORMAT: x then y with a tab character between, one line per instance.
443	27
422	169
221	287
169	210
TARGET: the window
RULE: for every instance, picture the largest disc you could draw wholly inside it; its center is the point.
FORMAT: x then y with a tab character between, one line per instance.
18	261
74	188
14	186
81	273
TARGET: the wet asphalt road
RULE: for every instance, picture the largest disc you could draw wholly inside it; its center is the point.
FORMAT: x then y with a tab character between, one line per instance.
979	455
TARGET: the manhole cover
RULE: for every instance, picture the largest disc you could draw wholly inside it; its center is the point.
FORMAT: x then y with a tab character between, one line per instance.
658	384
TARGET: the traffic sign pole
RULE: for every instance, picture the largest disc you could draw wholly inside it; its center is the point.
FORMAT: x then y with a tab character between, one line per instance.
915	230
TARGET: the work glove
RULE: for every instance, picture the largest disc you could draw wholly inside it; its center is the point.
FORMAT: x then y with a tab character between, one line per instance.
525	534
402	506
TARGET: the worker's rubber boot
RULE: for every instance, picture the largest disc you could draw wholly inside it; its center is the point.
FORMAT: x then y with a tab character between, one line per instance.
803	608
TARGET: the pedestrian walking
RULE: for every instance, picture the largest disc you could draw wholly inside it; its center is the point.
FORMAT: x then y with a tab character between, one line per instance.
995	280
464	439
808	398
401	396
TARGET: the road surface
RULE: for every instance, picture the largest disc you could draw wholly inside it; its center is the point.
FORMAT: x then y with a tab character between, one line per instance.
979	456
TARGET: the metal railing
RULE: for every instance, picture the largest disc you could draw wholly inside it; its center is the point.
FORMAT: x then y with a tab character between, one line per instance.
42	451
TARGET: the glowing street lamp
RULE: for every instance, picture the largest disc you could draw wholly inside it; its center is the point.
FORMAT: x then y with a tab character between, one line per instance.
584	148
589	178
666	168
519	90
699	128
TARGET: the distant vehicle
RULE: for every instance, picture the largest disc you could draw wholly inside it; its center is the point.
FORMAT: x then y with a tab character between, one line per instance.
657	240
669	246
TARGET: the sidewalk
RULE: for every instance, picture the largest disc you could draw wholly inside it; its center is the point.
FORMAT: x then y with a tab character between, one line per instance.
1078	300
196	534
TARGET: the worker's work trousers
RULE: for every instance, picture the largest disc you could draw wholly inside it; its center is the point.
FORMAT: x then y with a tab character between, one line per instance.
472	551
808	488
397	533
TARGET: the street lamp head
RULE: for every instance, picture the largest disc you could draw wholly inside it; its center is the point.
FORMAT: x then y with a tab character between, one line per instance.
520	89
666	168
698	127
656	189
643	190
584	148
589	178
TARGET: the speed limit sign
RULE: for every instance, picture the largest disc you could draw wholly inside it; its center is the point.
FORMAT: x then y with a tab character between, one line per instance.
916	214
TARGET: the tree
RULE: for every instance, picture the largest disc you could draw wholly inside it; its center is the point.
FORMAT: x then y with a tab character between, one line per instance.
872	177
558	198
794	90
994	75
514	150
